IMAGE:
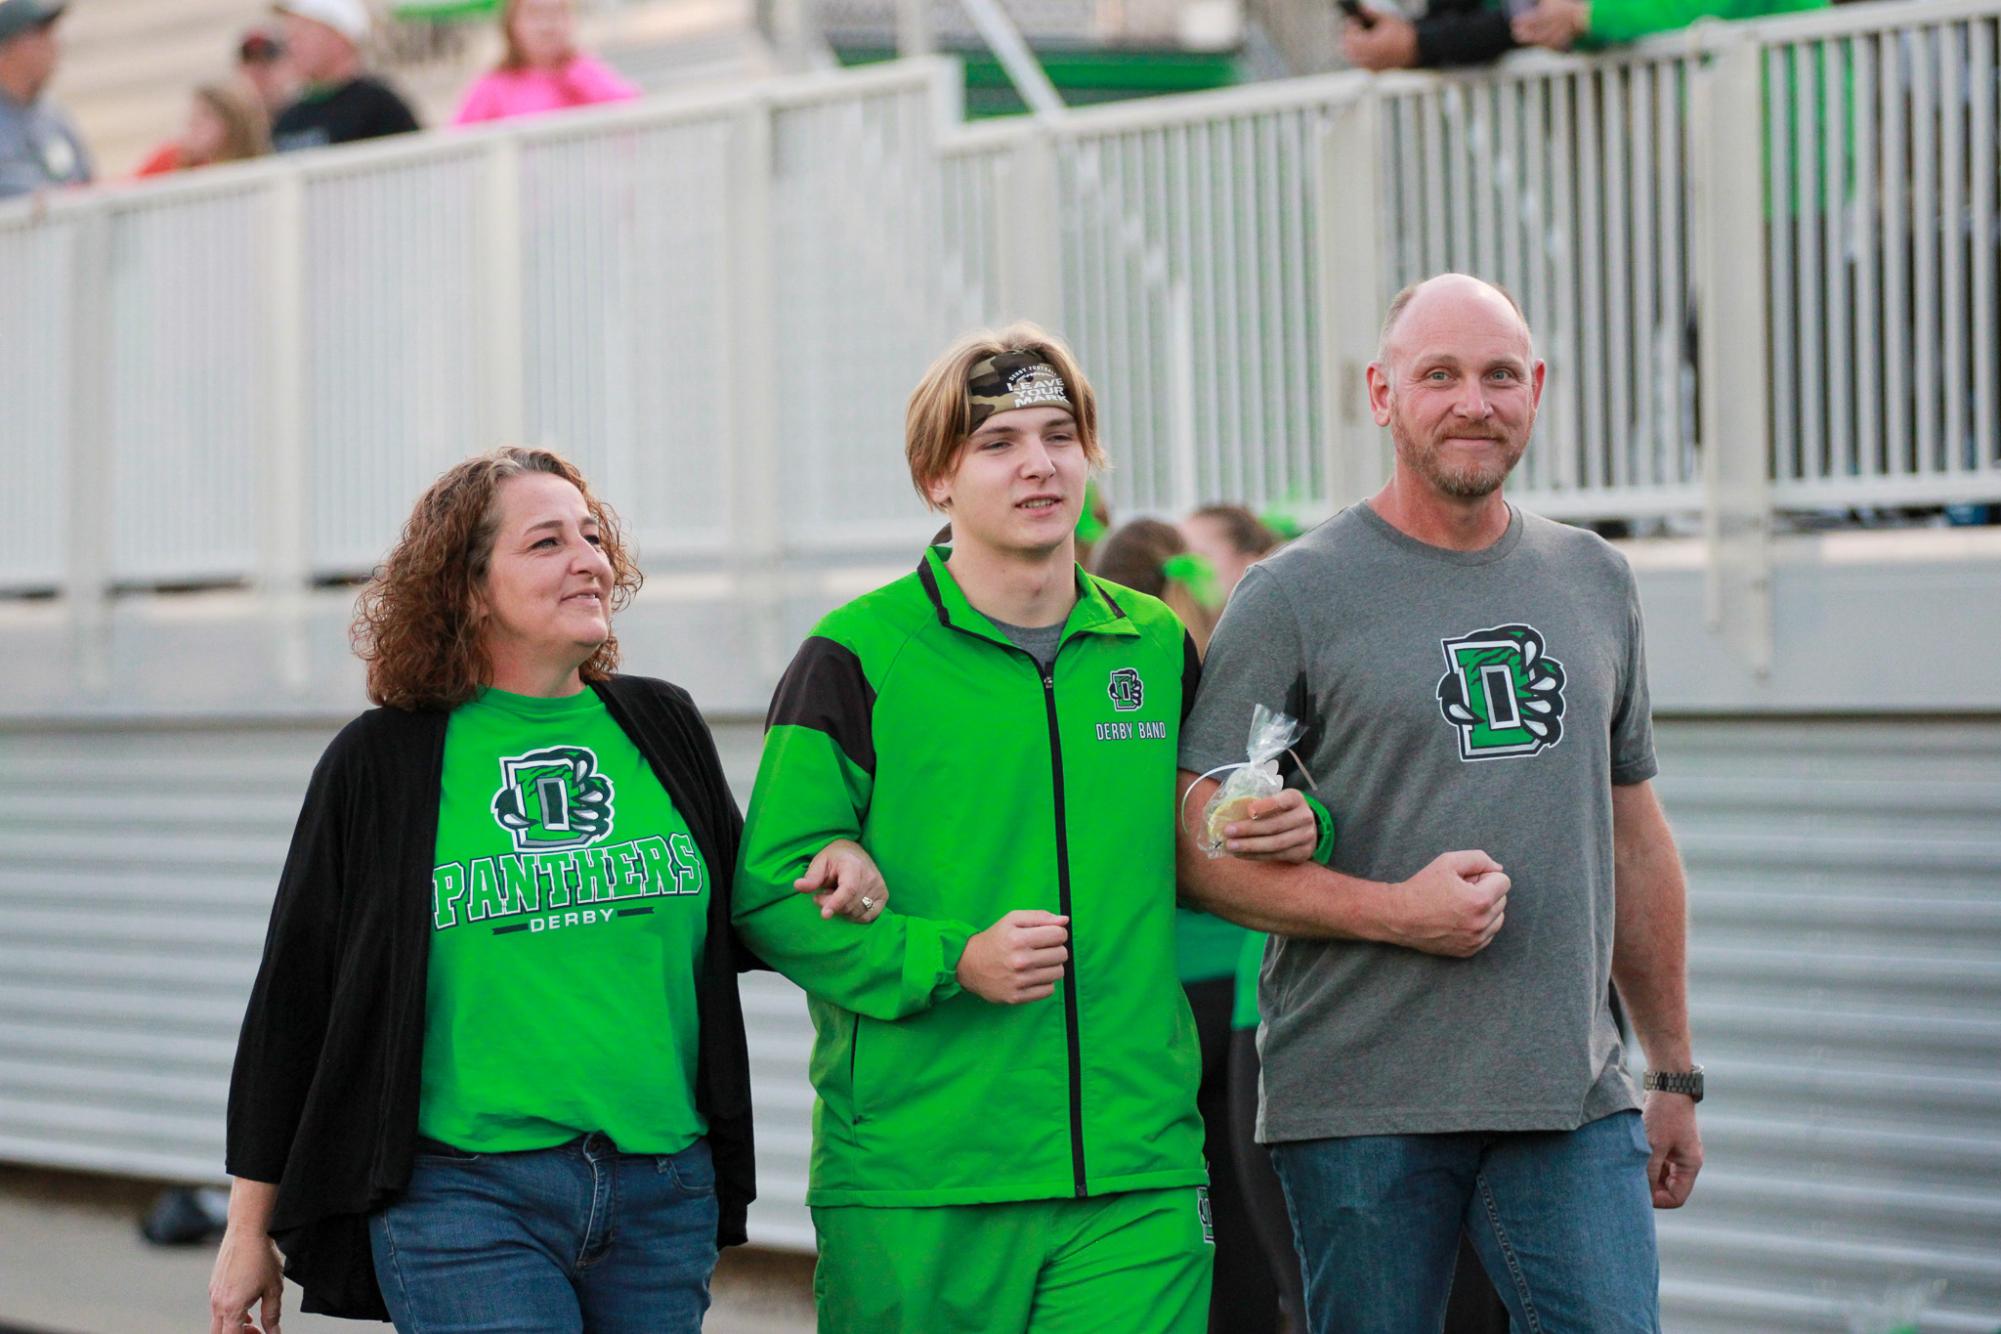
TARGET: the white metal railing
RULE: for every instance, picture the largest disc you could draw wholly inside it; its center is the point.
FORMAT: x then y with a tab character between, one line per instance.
718	303
1881	214
1570	186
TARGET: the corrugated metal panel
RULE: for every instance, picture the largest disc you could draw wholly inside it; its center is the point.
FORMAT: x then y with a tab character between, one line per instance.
1845	988
1846	970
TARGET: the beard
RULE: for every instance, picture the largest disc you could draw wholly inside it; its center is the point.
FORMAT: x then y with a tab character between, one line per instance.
1469	481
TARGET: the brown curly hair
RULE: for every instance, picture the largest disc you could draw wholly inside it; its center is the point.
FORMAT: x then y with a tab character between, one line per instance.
414	625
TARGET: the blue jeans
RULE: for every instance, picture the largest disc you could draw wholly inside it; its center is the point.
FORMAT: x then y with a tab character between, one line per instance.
551	1241
1562	1220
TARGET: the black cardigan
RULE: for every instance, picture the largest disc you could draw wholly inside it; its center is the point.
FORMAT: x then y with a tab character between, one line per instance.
323	1099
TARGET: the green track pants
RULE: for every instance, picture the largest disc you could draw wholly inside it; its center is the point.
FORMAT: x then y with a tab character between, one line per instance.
1137	1263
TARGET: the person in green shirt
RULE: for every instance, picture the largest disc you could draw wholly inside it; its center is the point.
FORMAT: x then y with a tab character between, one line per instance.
1592	25
495	1052
1005	1135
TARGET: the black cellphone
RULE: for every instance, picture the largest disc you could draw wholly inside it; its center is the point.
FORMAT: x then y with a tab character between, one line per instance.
1353	9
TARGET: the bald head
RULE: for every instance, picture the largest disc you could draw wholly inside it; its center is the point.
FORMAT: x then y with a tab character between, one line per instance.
1457	384
1448	299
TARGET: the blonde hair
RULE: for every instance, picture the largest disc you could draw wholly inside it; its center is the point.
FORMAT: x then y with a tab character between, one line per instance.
939	417
246	126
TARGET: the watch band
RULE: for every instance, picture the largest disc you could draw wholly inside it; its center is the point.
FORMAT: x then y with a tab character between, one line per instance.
1687	1082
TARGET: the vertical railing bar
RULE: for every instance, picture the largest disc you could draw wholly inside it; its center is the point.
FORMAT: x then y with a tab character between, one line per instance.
1294	285
1597	438
1925	236
1779	177
1458	155
1537	198
1172	220
1952	242
1486	154
1867	441
1181	283
1899	450
1986	334
1801	194
1120	372
1567	317
1268	429
1508	226
1619	243
1841	360
1647	457
1229	321
1437	253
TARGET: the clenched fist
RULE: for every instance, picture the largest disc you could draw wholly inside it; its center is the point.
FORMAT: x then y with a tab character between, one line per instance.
1019	958
1453	907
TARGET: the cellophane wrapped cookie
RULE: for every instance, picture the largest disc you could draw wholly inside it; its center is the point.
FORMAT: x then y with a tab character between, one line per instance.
1272	734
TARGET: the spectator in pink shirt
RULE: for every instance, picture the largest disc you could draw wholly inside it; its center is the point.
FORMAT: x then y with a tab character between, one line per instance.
543	70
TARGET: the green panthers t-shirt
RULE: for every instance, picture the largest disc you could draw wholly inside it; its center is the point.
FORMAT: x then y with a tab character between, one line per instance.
569	905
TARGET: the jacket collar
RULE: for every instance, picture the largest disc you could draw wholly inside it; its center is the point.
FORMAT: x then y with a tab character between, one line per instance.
1096	611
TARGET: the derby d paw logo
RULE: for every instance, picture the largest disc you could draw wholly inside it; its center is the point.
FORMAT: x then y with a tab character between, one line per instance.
1501	694
1128	692
553	800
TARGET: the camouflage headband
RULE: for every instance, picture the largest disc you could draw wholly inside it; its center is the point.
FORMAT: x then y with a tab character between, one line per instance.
1011	380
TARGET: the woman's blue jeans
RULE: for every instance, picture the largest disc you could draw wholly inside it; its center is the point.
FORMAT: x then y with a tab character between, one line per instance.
1562	1220
576	1238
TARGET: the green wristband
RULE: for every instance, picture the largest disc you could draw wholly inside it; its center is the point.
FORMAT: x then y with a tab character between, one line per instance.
1323	819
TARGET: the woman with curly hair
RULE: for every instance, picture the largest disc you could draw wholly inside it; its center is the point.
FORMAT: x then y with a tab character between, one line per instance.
493	1071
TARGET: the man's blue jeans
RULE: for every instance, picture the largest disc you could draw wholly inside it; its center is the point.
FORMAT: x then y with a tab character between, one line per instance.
1562	1221
553	1241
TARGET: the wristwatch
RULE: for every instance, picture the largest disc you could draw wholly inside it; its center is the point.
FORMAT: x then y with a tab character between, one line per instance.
1687	1081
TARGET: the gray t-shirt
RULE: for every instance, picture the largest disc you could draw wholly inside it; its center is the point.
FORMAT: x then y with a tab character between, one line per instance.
38	148
1038	641
1486	699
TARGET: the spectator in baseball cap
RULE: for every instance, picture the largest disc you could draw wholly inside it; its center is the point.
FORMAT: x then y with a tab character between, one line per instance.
340	102
39	148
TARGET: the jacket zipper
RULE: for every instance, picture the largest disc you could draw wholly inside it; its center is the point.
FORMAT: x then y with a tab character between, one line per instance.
1070	963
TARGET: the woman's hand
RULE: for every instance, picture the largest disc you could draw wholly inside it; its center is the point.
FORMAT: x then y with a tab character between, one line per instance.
844	879
248	1272
1556	24
1280	829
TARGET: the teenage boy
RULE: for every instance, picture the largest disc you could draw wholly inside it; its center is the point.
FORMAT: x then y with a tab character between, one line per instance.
1005	1137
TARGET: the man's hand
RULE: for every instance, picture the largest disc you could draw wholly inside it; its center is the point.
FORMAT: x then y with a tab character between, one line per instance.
1280	829
1452	907
248	1272
1677	1148
1556	24
1019	958
1389	43
844	879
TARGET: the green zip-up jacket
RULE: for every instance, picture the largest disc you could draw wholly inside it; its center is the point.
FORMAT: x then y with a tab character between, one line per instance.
909	723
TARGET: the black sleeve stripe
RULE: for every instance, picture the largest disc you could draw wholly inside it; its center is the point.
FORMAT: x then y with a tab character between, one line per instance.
1118	612
824	689
1191	674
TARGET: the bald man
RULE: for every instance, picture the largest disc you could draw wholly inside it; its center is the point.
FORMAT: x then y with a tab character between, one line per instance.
1439	1054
